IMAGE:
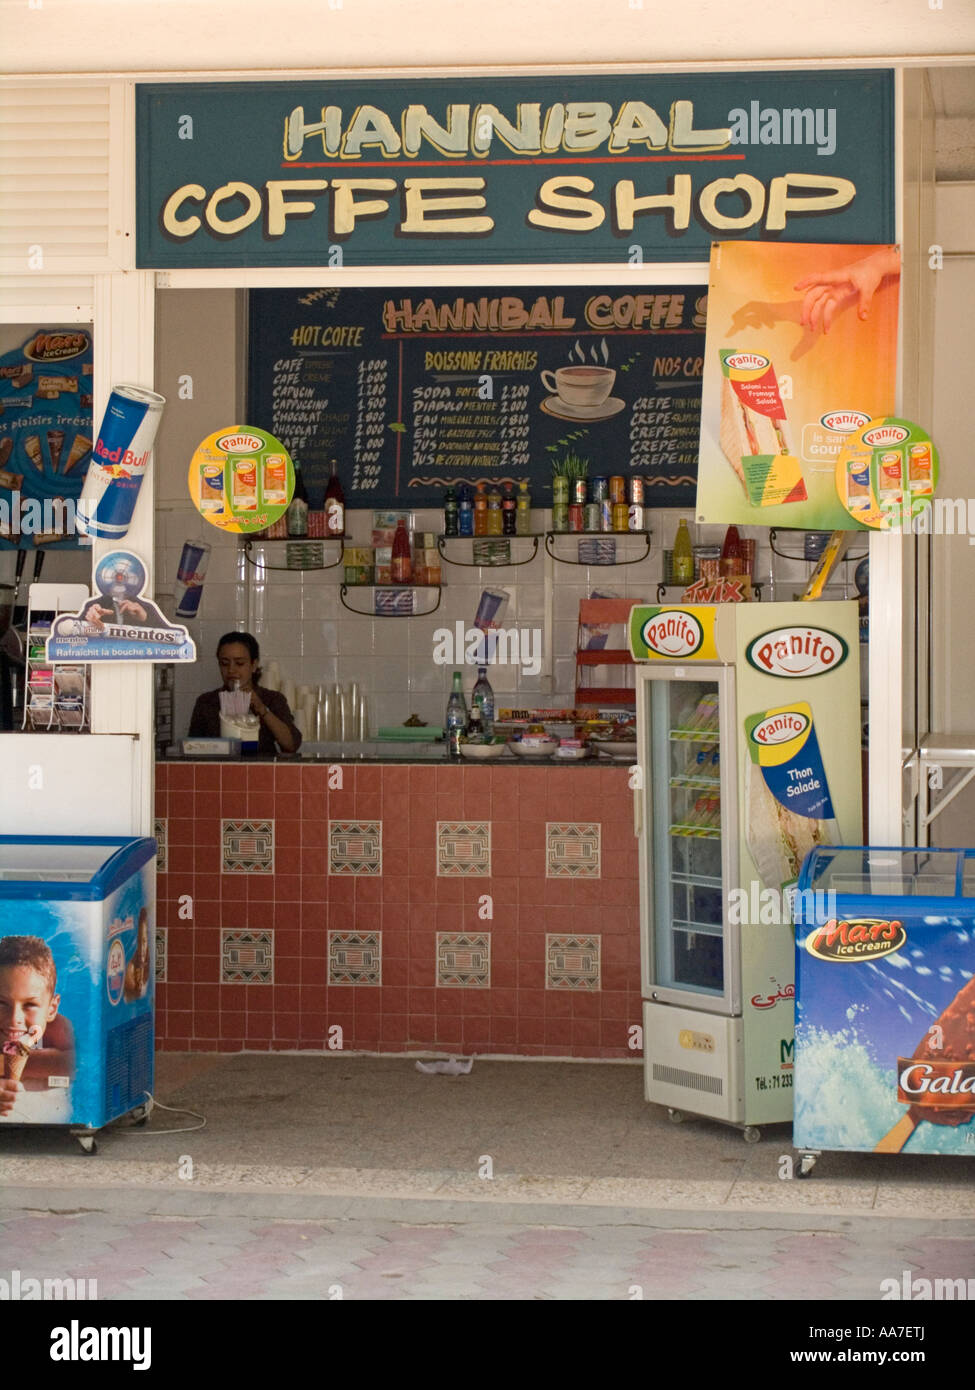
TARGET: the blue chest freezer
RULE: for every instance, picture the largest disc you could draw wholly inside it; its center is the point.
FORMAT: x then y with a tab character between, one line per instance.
77	949
885	1001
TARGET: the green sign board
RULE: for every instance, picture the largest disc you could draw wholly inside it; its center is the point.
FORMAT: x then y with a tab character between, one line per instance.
532	170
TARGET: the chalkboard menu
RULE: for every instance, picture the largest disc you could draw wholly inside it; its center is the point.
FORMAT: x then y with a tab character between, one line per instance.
415	390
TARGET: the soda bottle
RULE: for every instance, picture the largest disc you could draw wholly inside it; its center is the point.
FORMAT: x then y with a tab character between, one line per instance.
523	518
495	518
450	513
334	505
402	564
683	559
297	514
480	511
732	555
456	720
475	730
482	699
509	508
465	512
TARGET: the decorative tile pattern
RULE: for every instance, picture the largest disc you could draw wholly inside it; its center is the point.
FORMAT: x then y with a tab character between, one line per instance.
572	962
463	960
355	847
162	937
161	832
248	846
355	958
463	849
247	957
572	851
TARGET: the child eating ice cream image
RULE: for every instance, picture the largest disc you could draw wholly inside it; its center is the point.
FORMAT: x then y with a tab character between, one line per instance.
37	1042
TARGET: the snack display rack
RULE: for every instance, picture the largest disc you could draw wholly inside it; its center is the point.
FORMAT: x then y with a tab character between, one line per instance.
55	693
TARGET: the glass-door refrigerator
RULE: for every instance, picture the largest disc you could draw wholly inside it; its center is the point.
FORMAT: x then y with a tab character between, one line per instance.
749	755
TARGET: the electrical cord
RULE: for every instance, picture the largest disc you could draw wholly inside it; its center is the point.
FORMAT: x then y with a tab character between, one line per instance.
154	1104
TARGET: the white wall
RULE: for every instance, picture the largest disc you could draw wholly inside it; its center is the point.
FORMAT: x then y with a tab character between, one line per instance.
198	35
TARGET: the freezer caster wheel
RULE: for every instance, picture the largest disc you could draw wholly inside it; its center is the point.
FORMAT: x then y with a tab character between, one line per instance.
88	1142
751	1135
676	1117
139	1115
807	1163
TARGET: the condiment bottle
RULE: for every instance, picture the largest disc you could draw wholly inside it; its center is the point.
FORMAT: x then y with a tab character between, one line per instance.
297	513
465	512
334	505
495	518
523	518
482	701
402	565
450	513
509	509
683	557
732	555
480	511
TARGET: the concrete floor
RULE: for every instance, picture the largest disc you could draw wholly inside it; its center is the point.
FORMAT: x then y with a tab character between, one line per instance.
543	1134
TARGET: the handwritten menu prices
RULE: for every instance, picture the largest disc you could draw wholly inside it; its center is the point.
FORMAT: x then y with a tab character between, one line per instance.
415	390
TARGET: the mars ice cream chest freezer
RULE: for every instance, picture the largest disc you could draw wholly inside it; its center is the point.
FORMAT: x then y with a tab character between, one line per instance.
77	937
885	1001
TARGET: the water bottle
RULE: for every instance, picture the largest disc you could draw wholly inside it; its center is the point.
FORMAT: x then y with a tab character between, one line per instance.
483	699
465	512
455	723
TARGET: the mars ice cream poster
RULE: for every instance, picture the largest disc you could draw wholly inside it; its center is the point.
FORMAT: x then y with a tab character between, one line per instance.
801	351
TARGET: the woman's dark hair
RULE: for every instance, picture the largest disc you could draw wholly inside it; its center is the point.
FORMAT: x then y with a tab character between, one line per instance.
245	640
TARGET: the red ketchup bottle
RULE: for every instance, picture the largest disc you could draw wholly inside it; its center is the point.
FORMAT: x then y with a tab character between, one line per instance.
402	565
732	556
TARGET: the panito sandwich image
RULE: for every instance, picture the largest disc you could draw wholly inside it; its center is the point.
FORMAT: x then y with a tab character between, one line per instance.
753	433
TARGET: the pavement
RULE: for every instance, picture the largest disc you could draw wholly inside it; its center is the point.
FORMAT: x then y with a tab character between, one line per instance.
357	1177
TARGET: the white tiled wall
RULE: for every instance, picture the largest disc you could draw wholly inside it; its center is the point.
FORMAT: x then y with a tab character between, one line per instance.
300	622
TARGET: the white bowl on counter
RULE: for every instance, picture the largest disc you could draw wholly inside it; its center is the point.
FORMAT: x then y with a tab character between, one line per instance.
571	755
624	748
538	748
482	752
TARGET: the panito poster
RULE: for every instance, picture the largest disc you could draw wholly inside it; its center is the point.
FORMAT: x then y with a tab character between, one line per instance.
801	352
119	623
45	438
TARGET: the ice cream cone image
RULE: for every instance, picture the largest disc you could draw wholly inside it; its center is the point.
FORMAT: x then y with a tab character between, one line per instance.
32	447
16	1053
79	447
55	442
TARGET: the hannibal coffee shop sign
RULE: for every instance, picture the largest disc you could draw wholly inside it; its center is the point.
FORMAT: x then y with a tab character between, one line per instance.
471	171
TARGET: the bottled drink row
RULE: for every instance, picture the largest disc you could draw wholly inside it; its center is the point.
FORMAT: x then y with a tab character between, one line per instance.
476	724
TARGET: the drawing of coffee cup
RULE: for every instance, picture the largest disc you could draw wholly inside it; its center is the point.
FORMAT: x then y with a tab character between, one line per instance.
580	385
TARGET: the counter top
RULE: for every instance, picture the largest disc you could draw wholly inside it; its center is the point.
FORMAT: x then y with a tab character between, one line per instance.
397	752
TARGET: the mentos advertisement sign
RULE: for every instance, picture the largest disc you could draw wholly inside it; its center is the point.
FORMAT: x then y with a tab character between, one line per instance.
885	1027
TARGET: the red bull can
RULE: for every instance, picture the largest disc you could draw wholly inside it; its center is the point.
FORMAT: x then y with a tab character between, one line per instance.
189	578
119	461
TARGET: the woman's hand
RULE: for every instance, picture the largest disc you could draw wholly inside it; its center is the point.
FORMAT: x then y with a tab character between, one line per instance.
257	705
831	290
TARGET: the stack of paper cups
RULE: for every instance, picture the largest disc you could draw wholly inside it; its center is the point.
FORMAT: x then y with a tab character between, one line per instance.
288	691
271	679
362	720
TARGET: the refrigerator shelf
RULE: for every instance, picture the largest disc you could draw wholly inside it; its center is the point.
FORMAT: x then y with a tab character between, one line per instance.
690	781
696	832
696	880
709	736
698	928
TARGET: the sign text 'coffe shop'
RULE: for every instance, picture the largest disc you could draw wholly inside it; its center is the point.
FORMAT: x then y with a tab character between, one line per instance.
474	171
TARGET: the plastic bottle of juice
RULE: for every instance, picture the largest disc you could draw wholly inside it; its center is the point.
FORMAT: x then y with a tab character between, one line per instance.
480	511
509	510
732	560
402	564
683	560
495	516
523	518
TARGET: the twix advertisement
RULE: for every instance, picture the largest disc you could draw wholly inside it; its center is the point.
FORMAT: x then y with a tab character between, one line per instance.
801	352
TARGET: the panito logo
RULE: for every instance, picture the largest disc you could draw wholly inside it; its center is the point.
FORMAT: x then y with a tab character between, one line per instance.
55	347
673	633
793	652
844	421
748	361
885	434
853	940
780	728
240	443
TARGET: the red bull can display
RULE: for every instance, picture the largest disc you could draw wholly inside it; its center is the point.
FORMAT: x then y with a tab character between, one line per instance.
119	461
189	578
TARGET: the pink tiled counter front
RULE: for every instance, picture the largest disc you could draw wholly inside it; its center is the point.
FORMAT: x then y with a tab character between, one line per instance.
449	909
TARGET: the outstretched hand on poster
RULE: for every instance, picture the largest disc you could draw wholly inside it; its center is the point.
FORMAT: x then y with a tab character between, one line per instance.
828	292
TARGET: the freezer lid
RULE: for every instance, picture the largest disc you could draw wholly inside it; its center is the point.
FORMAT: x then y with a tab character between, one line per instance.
59	867
874	872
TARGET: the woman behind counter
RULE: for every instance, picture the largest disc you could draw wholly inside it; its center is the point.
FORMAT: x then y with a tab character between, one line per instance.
238	657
